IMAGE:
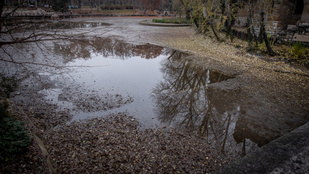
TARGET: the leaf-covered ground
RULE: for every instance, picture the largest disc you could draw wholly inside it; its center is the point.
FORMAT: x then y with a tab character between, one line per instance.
116	145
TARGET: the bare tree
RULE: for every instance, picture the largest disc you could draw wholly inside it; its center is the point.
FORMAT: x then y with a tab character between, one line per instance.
265	7
211	11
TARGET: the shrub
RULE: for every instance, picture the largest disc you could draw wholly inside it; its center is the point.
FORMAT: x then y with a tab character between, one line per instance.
104	7
7	85
253	48
115	7
237	46
129	7
158	20
171	20
14	140
298	50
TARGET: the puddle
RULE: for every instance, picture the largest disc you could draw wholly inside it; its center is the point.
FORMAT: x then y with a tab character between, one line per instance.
141	74
158	86
121	76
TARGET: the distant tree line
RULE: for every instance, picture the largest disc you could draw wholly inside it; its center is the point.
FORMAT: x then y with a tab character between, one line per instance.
108	4
127	4
220	15
206	15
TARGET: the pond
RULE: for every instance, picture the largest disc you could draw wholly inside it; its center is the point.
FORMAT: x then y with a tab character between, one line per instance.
108	69
145	81
158	86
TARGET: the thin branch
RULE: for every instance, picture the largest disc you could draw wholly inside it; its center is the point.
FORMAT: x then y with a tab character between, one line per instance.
46	65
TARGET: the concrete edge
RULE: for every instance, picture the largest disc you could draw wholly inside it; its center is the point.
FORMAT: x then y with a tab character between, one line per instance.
272	155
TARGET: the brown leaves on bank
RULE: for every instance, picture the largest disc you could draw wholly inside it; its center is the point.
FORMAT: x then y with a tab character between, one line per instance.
117	145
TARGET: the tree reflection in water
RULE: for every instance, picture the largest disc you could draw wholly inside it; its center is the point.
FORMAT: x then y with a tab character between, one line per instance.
186	100
106	47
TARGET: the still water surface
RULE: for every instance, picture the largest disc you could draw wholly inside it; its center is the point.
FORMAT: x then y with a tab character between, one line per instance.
154	78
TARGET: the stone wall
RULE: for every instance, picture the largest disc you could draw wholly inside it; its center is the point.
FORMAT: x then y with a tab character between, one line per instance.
281	13
287	20
305	14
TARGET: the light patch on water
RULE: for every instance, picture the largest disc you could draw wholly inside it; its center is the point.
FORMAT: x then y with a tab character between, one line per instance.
52	96
135	76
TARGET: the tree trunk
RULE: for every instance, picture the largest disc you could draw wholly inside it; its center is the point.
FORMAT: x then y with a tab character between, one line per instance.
214	31
1	11
80	4
205	14
229	20
264	35
249	24
187	11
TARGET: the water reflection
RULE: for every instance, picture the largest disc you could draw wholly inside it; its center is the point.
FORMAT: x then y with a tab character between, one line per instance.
185	99
69	25
106	47
53	26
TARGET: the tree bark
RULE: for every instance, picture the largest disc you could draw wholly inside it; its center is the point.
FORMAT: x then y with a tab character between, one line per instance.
205	13
249	23
214	31
264	35
1	11
229	21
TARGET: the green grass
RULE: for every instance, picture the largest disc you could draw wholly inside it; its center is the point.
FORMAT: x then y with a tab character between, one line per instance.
172	20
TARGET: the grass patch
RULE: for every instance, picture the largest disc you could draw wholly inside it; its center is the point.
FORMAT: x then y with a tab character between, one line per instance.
172	20
295	52
89	11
